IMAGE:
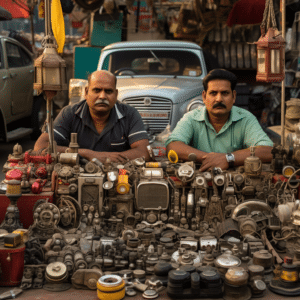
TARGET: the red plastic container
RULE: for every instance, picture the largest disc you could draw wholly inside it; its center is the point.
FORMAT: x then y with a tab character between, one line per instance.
25	205
12	265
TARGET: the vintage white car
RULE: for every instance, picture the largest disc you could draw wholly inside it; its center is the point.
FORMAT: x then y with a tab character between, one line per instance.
161	79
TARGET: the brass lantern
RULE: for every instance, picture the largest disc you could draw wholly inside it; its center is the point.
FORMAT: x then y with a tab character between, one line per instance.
270	56
50	71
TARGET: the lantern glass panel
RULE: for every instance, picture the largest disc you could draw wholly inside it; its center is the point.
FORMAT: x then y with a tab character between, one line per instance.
275	61
261	61
38	75
51	76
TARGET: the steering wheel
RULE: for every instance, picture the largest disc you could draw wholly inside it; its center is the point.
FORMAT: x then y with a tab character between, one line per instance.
118	72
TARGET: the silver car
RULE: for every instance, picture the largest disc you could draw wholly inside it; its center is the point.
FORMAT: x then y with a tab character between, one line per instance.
16	88
161	79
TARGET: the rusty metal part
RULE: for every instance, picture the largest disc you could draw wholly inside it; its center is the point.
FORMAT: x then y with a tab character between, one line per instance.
236	276
70	159
86	279
270	247
214	212
252	164
70	211
208	242
228	226
186	257
56	272
252	205
247	226
226	261
263	258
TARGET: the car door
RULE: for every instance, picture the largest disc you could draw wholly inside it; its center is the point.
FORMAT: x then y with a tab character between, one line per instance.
20	67
5	86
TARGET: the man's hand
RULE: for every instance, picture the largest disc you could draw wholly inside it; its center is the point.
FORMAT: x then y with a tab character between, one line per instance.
119	157
212	160
113	156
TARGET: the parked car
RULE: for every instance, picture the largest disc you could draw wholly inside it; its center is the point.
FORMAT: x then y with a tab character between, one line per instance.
161	79
17	104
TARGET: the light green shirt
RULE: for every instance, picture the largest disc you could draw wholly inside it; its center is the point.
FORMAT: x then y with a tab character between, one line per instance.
241	131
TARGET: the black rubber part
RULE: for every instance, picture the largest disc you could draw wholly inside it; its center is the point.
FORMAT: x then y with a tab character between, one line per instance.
210	279
195	280
179	276
187	268
185	294
175	285
205	268
162	268
283	291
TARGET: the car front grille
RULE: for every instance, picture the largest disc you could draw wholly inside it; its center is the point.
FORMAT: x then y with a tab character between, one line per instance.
156	116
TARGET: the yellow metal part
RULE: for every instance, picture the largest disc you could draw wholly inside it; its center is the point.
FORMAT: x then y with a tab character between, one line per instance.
111	293
173	157
288	171
289	276
123	185
153	165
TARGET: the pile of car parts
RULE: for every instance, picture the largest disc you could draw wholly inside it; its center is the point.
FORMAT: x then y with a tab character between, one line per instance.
144	227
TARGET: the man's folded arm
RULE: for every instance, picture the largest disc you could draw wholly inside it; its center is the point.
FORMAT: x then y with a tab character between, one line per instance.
263	152
138	149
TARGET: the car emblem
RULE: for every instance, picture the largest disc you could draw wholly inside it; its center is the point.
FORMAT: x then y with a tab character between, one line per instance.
147	101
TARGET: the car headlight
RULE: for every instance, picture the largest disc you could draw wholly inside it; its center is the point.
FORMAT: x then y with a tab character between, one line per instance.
194	104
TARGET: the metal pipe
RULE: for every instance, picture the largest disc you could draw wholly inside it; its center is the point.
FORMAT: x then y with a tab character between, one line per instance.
283	26
50	125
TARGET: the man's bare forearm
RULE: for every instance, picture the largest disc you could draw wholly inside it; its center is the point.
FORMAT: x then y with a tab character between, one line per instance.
184	150
139	150
212	159
263	152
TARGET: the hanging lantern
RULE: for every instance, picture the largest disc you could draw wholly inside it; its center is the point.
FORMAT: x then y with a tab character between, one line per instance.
270	48
270	56
50	71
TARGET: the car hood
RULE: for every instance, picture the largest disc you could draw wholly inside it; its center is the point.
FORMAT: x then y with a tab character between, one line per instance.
176	89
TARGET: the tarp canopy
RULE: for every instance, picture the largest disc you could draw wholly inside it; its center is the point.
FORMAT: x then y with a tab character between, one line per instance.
4	14
17	8
246	12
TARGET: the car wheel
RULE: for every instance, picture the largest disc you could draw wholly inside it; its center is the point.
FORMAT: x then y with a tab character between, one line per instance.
38	116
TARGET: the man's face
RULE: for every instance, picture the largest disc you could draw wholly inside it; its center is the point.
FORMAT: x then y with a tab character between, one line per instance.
101	94
219	98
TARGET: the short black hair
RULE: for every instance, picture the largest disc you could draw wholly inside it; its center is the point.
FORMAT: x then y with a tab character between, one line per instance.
220	74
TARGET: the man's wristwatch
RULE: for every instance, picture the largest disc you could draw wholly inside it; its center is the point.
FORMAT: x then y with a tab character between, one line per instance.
230	159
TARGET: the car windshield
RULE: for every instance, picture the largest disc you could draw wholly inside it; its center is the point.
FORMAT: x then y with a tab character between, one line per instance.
154	62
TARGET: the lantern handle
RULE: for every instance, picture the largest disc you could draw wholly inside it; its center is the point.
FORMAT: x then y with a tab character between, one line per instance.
268	17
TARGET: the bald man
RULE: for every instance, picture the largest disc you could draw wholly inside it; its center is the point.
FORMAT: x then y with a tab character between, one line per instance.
105	127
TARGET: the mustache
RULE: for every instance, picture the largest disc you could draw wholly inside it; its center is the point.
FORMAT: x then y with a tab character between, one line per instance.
100	101
220	104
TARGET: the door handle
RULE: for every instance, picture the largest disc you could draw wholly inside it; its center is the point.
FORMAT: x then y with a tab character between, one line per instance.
13	75
5	77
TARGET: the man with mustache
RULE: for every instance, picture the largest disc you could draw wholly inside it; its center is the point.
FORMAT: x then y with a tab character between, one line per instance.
105	127
219	133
